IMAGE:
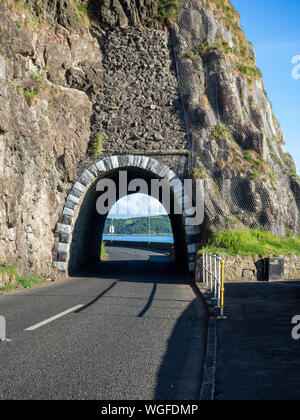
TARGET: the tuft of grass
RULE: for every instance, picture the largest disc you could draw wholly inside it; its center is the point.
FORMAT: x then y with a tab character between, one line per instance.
35	279
191	55
29	96
202	49
250	72
294	174
205	47
220	132
36	76
6	288
83	8
168	11
252	243
16	280
23	281
199	173
103	252
9	270
29	280
97	145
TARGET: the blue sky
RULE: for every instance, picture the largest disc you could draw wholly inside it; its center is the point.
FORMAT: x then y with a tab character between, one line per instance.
136	205
274	29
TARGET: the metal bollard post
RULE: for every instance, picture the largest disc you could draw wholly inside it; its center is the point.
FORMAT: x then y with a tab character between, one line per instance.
3	329
210	270
219	283
203	268
222	292
215	275
206	269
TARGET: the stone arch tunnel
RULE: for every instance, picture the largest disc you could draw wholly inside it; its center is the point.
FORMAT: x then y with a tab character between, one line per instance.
82	226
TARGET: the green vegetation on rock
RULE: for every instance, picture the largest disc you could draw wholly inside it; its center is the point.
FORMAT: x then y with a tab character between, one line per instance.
168	11
97	145
10	279
220	132
29	95
103	251
252	243
243	57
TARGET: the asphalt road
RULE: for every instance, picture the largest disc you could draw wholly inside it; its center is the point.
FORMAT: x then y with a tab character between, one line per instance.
139	333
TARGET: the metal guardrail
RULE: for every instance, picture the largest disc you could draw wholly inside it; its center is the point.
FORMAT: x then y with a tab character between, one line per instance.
212	270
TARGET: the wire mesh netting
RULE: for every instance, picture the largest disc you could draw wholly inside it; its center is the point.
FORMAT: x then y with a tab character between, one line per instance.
229	123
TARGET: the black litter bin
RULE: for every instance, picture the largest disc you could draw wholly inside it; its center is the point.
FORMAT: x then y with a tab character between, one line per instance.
274	269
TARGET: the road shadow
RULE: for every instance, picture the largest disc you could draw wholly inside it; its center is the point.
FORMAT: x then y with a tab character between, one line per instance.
257	357
159	267
180	373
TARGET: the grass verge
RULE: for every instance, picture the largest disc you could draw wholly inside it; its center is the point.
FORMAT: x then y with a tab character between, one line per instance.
252	243
12	280
103	255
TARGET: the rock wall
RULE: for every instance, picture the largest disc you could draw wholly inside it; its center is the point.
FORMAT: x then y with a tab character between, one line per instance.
139	107
44	129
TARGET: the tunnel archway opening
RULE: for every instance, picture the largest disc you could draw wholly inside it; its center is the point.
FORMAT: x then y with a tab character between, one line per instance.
138	219
82	226
138	238
88	231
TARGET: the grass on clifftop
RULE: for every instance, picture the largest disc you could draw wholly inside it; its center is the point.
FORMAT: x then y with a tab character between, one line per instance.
252	243
168	11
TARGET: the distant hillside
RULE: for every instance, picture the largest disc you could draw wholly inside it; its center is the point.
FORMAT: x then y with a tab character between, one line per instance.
140	225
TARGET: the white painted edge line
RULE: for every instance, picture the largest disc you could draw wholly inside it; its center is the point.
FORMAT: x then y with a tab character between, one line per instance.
47	321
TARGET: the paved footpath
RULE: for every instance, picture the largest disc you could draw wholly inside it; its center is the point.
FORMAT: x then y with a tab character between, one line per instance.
257	357
136	330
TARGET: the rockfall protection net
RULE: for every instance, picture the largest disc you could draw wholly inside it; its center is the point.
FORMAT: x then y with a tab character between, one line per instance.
227	137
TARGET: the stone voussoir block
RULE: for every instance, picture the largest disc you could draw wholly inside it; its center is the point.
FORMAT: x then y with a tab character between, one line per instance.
71	198
62	256
64	237
63	247
170	175
61	266
164	170
67	220
192	249
100	166
130	160
150	165
65	229
114	162
192	266
75	192
144	162
189	229
93	170
79	186
136	161
68	212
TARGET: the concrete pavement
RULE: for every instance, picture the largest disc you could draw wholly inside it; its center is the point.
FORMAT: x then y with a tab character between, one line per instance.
139	332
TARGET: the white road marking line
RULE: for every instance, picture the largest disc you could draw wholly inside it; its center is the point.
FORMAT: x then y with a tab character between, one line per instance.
47	321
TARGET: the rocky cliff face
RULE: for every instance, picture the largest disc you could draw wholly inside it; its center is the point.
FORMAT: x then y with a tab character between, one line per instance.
237	143
111	67
44	123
